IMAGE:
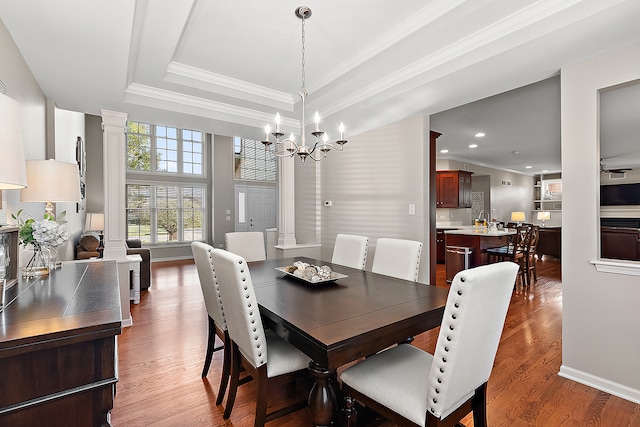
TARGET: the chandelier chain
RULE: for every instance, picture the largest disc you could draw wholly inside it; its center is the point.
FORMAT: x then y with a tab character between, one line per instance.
289	147
303	89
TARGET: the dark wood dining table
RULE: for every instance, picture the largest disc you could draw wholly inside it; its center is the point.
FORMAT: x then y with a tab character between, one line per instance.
338	322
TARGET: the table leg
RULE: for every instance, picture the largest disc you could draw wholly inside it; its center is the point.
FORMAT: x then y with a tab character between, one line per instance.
322	398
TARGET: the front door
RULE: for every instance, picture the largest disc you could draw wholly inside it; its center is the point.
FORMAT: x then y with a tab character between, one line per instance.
255	208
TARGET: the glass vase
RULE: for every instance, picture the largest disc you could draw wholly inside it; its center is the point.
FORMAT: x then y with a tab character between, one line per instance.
38	265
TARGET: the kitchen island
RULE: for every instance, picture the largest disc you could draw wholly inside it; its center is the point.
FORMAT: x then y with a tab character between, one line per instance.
478	239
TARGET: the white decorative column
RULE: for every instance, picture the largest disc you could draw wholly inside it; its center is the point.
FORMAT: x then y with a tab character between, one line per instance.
286	203
114	146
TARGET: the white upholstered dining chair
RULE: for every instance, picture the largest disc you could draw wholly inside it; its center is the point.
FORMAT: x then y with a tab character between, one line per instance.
217	323
248	244
267	358
397	258
351	251
414	388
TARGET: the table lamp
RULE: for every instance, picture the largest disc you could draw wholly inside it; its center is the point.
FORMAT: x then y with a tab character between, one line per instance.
544	216
51	181
517	217
95	222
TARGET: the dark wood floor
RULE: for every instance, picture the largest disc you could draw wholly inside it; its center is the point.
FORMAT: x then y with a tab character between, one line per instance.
161	358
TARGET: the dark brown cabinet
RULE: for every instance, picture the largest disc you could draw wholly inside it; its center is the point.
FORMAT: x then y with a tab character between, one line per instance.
453	189
550	242
620	243
440	246
58	347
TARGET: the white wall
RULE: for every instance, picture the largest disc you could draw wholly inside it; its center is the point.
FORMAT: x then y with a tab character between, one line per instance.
69	125
372	183
23	87
601	320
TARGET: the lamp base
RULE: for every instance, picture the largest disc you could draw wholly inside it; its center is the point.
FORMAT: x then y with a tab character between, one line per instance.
101	246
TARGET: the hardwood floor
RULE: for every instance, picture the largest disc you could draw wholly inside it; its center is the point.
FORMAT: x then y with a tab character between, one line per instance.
162	354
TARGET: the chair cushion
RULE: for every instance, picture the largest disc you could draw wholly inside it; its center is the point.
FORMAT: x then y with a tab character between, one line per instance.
395	378
282	356
90	242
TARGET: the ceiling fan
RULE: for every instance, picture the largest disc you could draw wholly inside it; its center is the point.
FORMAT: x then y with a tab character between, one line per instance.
604	169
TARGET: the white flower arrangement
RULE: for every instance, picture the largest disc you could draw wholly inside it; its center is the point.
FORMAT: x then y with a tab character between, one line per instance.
49	233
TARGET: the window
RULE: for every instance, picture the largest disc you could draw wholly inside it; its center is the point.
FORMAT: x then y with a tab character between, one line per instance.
252	161
166	184
160	213
164	150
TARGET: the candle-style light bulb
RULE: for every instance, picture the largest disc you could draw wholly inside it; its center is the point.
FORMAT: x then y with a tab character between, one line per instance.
341	129
267	130
325	138
292	137
316	118
277	122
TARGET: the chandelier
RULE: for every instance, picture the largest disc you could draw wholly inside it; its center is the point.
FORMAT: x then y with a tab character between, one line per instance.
289	147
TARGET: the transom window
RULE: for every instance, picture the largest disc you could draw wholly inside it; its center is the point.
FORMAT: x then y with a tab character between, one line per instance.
252	162
164	149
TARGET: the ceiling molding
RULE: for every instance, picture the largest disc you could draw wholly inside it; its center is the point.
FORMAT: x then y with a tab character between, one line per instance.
418	20
461	48
175	98
230	86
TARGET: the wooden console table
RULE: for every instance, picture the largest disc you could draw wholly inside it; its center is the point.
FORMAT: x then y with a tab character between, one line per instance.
58	347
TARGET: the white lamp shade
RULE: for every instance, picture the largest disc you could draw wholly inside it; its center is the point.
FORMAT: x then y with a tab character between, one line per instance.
517	216
544	216
94	222
51	181
13	173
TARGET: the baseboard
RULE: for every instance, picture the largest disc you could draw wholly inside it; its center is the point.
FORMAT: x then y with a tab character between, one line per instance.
127	322
619	390
176	258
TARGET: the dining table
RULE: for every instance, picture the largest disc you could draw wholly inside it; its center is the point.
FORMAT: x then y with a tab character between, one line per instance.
336	322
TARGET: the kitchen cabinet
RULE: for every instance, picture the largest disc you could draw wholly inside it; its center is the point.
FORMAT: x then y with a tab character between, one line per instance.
453	189
549	242
440	246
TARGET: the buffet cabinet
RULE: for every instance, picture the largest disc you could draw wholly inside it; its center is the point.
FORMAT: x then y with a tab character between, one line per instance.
453	189
58	347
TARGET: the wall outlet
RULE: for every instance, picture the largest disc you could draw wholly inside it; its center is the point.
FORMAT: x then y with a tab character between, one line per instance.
412	209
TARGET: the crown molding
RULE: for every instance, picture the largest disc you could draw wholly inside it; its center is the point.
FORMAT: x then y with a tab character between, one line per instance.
225	85
215	107
499	30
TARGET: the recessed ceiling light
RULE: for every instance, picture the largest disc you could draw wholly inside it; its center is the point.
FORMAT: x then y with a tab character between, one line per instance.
545	171
480	134
444	151
473	145
515	152
528	167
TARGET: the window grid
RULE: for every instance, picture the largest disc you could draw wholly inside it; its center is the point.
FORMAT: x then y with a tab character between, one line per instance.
139	146
164	150
157	213
192	152
252	161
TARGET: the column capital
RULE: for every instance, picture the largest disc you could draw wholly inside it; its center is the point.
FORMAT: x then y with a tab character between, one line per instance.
113	118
